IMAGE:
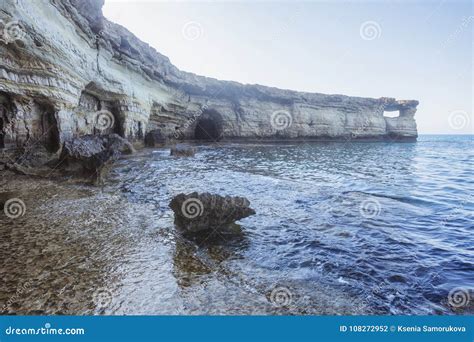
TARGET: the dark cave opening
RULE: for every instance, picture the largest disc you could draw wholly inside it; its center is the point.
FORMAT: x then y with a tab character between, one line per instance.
118	126
206	129
50	131
5	112
2	139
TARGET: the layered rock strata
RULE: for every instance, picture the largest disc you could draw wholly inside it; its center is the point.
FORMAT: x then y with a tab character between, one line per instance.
66	71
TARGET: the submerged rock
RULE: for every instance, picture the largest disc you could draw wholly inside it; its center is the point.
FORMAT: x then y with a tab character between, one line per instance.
89	156
182	150
196	212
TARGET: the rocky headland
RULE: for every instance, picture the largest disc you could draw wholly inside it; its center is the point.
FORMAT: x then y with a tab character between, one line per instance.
67	72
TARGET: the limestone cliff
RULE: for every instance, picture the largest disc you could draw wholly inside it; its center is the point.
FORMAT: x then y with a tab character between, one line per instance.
66	71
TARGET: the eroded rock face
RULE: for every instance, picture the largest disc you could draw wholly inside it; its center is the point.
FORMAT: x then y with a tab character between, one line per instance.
62	64
155	138
199	212
91	155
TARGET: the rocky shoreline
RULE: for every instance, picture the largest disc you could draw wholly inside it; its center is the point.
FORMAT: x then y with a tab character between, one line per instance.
67	72
85	242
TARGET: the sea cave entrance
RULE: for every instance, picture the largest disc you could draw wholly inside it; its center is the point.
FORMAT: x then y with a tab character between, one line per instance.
50	132
2	140
104	107
5	112
208	127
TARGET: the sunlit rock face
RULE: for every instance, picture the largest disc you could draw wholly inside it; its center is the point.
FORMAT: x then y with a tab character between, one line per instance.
66	71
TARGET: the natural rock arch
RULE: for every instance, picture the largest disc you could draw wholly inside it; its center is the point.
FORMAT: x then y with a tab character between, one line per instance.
208	126
391	114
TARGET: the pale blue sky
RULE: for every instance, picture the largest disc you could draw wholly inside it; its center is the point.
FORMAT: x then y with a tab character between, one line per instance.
421	49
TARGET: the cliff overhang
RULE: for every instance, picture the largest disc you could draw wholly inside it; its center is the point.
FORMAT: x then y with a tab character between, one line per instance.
66	71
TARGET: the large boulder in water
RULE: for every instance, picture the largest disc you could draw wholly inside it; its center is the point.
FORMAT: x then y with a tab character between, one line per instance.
90	155
182	150
196	212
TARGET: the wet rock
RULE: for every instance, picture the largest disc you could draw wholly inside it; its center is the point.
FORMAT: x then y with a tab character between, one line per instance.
41	171
34	156
182	150
116	143
89	156
155	138
31	160
196	212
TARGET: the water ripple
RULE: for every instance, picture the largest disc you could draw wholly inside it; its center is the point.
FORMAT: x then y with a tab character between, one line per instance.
346	228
